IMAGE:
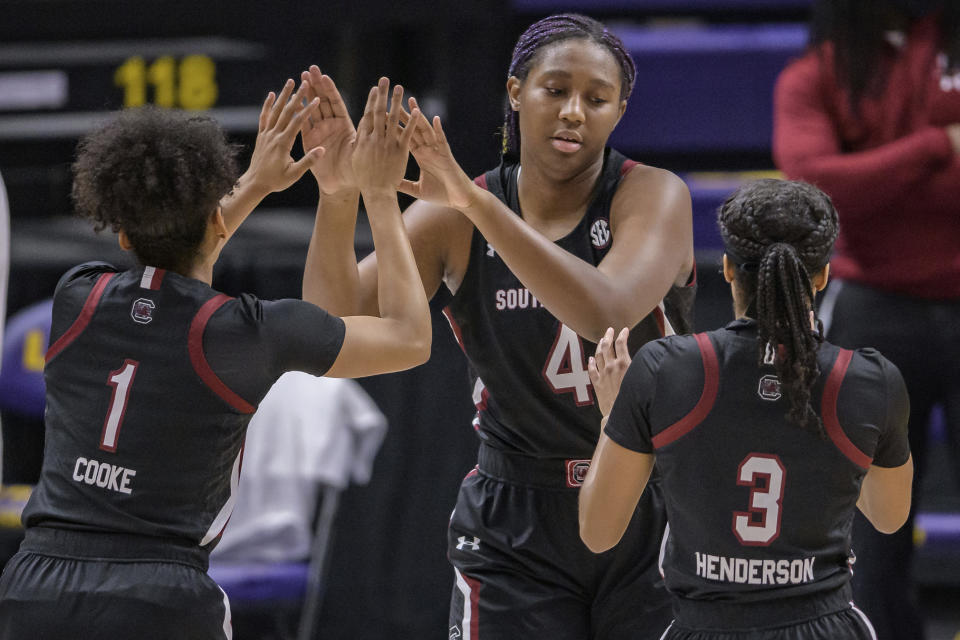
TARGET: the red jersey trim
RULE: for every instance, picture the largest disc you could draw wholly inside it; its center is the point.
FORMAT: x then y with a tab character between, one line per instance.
828	409
626	166
661	320
199	360
152	278
711	385
481	181
86	314
448	314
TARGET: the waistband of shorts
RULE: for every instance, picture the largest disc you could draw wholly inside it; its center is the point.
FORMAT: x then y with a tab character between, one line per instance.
723	615
550	473
112	547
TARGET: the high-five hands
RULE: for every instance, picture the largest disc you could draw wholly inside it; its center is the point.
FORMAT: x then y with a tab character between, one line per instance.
379	157
331	129
271	166
442	181
607	367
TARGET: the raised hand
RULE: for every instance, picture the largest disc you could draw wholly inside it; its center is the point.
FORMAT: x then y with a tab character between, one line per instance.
271	167
380	154
441	181
331	129
607	367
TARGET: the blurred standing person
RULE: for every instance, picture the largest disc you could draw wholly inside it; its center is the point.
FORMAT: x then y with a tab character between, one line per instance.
871	114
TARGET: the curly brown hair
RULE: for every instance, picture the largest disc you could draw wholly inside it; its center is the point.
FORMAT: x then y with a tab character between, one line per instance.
158	175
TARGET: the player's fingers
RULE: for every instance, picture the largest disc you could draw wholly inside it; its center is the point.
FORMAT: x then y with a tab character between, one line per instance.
396	107
291	108
330	91
407	137
265	111
425	132
300	167
366	121
438	128
380	107
593	371
280	103
293	127
604	344
621	345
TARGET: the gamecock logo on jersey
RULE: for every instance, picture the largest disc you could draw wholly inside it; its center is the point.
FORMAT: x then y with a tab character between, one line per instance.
142	310
600	233
577	472
769	388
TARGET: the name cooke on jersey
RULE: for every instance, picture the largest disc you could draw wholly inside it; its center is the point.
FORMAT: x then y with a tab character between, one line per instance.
754	571
516	299
103	475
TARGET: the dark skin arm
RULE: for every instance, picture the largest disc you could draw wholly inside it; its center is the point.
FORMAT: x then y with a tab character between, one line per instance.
652	240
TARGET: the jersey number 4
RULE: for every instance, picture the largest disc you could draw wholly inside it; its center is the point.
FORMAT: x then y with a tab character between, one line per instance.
760	526
120	380
566	367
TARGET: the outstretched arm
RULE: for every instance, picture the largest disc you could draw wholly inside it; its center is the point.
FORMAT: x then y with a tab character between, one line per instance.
652	245
271	167
330	277
401	337
617	475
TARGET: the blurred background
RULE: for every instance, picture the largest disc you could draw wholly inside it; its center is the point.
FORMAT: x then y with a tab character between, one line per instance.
702	107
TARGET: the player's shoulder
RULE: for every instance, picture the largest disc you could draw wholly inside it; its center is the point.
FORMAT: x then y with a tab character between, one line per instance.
676	350
83	275
633	173
869	362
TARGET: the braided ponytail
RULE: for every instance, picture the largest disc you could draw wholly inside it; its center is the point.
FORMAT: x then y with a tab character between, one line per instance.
777	233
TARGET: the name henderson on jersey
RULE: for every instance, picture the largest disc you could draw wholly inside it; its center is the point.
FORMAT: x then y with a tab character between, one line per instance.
754	571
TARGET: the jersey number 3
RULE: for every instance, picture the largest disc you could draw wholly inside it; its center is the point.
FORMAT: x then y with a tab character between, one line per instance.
760	526
121	380
566	368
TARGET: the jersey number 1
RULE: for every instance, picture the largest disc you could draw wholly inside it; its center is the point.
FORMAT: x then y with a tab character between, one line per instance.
760	526
121	381
566	368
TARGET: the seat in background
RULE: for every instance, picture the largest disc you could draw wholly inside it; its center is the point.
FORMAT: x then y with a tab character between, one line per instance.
309	439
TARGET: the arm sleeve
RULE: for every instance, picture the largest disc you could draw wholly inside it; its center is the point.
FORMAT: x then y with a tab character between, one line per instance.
303	336
89	271
71	293
893	445
806	146
629	421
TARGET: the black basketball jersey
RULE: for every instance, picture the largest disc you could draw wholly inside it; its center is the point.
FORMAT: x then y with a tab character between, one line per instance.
759	508
151	380
528	370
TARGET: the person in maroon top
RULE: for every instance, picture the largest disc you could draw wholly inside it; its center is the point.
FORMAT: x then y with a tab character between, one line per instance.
871	114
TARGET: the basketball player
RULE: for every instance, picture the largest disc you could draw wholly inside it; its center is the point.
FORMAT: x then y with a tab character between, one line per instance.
766	438
565	238
152	375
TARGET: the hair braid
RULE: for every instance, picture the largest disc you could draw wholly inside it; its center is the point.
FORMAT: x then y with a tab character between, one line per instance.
778	232
549	30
